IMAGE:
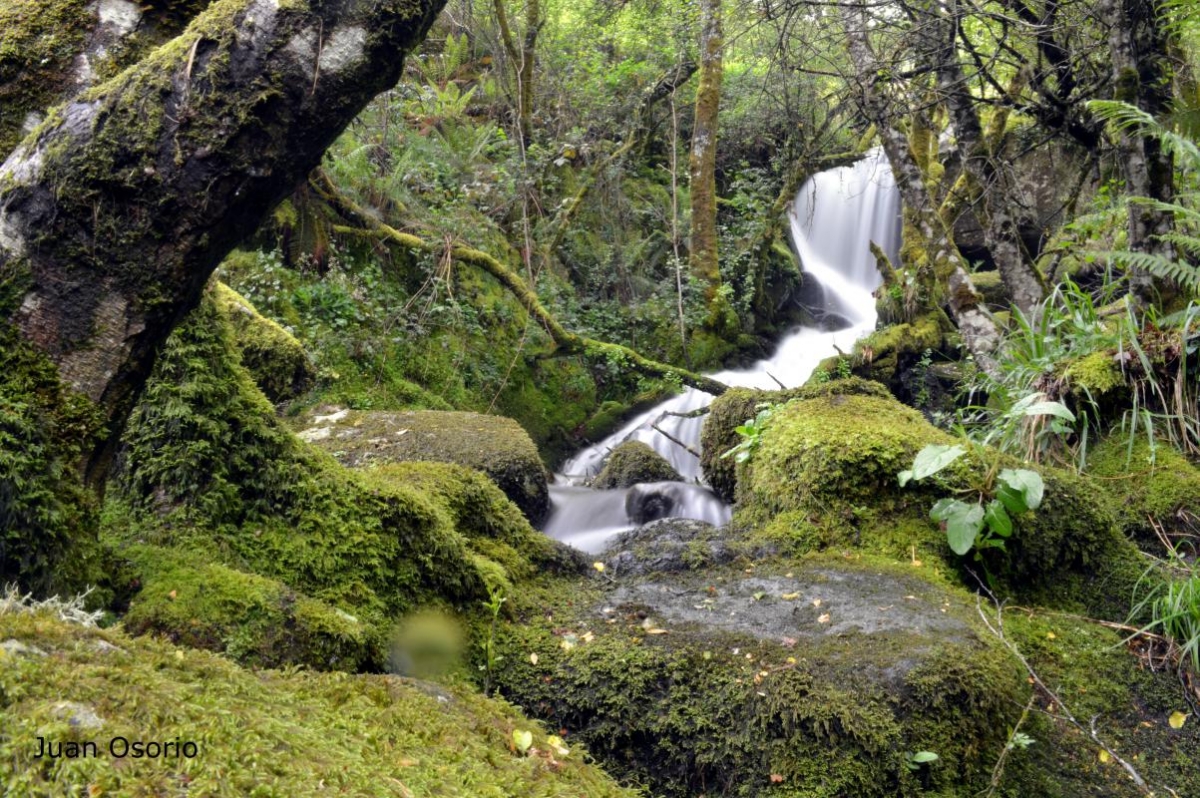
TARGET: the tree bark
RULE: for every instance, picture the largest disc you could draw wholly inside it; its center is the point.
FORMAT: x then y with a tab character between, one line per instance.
116	211
702	164
1142	77
979	332
1000	219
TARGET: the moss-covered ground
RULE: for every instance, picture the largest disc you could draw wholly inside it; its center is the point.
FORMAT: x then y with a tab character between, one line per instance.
262	733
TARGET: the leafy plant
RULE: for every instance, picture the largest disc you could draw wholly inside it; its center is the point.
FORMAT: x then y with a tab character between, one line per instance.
987	521
493	605
914	761
1174	611
751	432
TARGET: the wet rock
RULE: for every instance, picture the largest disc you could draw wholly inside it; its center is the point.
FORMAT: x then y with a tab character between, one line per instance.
15	648
667	545
495	445
646	503
633	463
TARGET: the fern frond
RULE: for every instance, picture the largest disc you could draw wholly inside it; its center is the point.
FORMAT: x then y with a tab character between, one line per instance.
1126	118
1185	275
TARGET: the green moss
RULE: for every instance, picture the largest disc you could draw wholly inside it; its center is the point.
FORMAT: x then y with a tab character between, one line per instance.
275	359
1147	488
733	408
631	463
253	619
261	733
704	710
1096	374
495	445
824	476
206	465
48	519
38	42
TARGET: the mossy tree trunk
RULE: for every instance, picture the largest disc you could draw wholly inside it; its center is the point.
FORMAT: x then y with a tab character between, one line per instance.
702	164
938	27
945	263
522	58
114	213
1138	46
51	49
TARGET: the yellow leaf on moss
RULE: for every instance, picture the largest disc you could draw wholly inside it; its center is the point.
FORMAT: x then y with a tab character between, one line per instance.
1176	720
1104	756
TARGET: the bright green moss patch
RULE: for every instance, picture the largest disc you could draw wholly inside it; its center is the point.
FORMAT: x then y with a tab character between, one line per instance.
1148	488
631	463
267	733
253	619
280	366
1096	374
495	445
38	42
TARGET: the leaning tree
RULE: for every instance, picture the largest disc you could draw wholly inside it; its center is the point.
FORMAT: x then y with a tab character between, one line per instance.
122	198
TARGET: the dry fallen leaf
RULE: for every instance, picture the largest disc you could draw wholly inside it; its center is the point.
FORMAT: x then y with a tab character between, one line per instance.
776	778
533	658
1104	756
816	602
824	618
172	595
790	596
1177	720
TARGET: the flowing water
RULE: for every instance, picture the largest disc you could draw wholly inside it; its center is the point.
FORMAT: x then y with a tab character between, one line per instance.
834	218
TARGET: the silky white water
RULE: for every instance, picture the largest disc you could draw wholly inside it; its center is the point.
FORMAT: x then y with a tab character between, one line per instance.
834	218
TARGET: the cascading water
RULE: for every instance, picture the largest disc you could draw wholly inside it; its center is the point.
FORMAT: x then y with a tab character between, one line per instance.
834	218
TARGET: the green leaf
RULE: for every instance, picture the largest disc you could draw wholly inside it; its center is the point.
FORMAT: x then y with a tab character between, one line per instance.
963	522
995	516
904	477
522	739
1013	501
921	757
933	458
1049	409
1028	483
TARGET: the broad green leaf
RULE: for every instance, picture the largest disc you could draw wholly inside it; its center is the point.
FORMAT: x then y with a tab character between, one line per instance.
963	522
1050	409
904	477
1028	483
522	739
933	458
995	516
921	757
1013	500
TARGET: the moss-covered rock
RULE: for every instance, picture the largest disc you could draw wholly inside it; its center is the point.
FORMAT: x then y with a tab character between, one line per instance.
265	733
632	463
207	467
495	445
253	619
1149	488
276	360
732	409
811	681
825	475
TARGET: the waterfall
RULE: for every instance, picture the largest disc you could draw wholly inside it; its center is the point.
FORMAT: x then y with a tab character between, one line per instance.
834	218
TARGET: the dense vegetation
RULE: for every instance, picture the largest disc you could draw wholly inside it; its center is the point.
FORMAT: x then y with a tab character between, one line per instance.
289	350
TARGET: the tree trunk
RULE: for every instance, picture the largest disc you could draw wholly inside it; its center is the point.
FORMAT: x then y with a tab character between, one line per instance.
702	164
116	211
979	332
1142	77
51	50
1000	217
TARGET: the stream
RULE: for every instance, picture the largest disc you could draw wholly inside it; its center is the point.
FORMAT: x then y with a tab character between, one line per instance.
835	216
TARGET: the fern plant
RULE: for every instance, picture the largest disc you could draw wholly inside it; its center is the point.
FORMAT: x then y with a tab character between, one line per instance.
1185	240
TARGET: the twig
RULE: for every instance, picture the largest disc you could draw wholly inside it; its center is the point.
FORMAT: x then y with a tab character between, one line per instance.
782	387
674	440
998	771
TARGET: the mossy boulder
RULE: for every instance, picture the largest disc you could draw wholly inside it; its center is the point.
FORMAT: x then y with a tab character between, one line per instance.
800	679
733	408
277	361
263	733
825	476
632	463
495	445
206	467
